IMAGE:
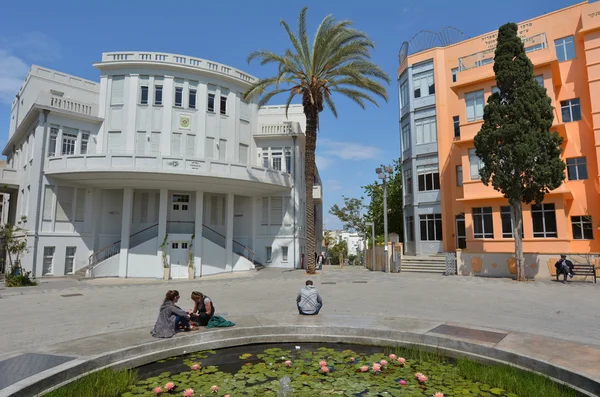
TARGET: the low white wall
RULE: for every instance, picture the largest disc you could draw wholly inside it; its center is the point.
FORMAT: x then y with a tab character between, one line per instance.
213	258
144	261
108	268
241	264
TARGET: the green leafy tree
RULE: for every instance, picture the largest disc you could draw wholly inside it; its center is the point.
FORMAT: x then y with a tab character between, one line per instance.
327	242
521	156
351	214
394	201
339	249
336	62
14	241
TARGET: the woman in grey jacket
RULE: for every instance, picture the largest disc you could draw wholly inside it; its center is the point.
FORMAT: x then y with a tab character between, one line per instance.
170	317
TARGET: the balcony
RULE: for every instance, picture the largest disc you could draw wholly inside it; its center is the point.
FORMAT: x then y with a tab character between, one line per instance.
468	131
318	193
9	178
286	128
56	102
475	190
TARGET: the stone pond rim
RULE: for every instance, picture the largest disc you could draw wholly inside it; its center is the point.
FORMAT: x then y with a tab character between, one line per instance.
453	341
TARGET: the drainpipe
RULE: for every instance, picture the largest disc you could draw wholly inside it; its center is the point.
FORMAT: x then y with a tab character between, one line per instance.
39	193
17	113
294	192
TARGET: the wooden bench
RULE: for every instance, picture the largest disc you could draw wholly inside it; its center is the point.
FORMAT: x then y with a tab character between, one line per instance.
582	270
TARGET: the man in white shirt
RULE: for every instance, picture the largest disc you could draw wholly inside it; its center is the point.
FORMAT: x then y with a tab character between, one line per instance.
309	300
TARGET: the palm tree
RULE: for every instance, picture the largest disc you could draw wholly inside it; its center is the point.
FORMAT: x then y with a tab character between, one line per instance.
337	62
327	241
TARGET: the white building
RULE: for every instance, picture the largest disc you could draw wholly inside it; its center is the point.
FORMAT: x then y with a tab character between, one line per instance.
161	155
354	241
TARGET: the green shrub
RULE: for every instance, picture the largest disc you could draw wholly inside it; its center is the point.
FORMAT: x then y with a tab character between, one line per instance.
19	279
104	383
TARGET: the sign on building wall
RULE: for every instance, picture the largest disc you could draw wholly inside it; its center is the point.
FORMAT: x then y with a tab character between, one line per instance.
184	122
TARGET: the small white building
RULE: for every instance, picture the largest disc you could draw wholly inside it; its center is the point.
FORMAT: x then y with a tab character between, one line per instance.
161	157
355	241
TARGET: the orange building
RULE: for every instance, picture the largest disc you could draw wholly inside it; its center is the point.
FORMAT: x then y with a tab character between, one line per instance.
443	91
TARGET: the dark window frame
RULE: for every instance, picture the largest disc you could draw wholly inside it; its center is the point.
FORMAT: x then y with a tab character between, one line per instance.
483	222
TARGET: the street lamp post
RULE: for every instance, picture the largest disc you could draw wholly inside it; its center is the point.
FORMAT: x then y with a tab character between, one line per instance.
372	224
382	174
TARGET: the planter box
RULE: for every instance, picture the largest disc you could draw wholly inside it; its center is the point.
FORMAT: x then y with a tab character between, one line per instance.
166	273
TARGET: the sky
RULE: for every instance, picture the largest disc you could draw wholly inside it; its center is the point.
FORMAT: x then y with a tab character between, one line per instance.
70	36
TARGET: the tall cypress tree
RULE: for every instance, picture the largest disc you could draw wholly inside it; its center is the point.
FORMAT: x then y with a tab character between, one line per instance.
521	156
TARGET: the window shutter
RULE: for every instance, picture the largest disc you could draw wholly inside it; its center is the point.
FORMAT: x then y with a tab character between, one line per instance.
155	143
114	141
80	205
140	142
118	90
176	144
64	207
190	145
48	202
276	211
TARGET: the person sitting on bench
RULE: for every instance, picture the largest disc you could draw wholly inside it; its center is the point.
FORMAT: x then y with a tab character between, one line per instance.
564	267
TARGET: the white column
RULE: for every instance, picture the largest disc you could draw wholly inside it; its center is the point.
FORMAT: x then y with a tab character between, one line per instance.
163	207
167	115
125	230
198	232
96	217
253	223
229	234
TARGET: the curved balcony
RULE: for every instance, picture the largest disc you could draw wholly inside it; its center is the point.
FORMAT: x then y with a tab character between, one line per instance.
142	171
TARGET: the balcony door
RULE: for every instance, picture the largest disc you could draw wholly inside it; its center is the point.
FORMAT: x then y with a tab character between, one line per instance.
461	232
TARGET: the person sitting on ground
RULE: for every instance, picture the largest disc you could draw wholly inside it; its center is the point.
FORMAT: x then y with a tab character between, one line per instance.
171	318
203	308
564	267
309	300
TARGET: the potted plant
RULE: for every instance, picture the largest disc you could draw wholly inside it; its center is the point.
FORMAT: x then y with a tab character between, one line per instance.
190	262
165	259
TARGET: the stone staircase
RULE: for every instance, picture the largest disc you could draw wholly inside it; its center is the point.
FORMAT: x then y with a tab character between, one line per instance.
424	264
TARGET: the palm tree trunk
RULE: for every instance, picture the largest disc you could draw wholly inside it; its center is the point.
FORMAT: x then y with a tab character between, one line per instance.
312	119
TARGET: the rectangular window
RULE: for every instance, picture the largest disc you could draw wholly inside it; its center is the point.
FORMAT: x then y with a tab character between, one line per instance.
117	91
211	103
48	202
540	80
429	177
577	169
507	227
411	228
456	122
276	157
424	84
144	95
406	137
140	142
223	107
158	95
404	99
190	145
114	141
209	148
426	130
269	253
155	143
582	228
69	141
276	211
179	96
454	75
408	181
53	139
475	165
565	48
64	207
288	160
544	220
80	205
69	259
222	149
192	99
483	224
85	138
48	264
243	153
431	227
266	158
570	110
475	105
284	254
459	175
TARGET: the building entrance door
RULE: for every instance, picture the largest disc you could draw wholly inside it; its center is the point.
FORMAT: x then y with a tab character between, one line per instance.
180	208
178	259
461	232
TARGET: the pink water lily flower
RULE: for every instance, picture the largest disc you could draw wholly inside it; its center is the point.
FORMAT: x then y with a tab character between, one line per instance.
383	363
418	375
214	388
422	379
438	394
195	367
402	382
188	393
227	395
170	386
364	368
288	363
322	363
324	369
392	356
352	359
401	361
157	390
376	367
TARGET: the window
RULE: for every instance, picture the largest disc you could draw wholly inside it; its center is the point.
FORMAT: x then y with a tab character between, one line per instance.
276	211
475	164
80	205
180	202
431	227
454	75
507	224
211	103
426	130
69	259
140	142
544	220
269	253
64	207
179	96
53	139
570	110
192	99
158	95
411	228
576	169
209	148
423	84
117	90
565	48
404	99
456	122
408	181
276	158
114	141
69	141
222	149
288	161
174	245
184	246
266	158
190	145
483	224
144	95
243	153
284	254
48	202
475	105
85	138
406	137
429	177
48	260
223	108
155	143
582	228
459	175
540	80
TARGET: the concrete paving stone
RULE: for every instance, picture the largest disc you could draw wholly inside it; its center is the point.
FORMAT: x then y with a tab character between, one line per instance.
25	365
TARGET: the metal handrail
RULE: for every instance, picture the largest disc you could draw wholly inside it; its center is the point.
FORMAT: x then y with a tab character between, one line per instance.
238	248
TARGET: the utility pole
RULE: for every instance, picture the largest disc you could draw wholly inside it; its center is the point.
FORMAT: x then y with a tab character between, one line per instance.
382	173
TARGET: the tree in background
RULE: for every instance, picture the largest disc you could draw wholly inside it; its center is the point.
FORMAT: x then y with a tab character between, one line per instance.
336	62
351	214
521	156
338	250
327	242
394	203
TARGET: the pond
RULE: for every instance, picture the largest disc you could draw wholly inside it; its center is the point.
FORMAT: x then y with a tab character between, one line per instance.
305	369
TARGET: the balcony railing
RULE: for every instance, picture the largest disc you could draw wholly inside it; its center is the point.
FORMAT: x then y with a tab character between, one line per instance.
70	105
285	128
533	43
8	176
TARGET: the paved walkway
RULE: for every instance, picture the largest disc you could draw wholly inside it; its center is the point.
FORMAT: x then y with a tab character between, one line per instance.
84	318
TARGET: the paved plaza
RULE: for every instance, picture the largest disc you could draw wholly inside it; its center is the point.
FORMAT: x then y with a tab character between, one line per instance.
83	318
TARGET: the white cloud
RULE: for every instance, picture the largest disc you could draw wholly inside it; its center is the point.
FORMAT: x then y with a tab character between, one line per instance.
323	162
347	150
333	185
12	73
